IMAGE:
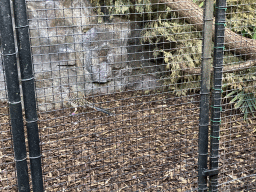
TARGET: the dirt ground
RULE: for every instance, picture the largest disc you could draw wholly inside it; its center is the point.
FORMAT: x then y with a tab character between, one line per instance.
149	144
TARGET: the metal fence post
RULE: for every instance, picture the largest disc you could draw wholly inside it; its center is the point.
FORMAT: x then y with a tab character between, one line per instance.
205	91
15	107
217	91
28	87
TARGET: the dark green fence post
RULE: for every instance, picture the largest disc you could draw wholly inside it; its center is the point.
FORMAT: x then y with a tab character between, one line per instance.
12	81
217	91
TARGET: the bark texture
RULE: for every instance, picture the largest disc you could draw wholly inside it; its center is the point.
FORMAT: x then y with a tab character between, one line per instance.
234	42
194	15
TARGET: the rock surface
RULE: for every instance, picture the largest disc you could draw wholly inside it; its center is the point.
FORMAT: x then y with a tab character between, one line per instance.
71	52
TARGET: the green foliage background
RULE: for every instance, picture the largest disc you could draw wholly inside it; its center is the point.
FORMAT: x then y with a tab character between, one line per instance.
163	25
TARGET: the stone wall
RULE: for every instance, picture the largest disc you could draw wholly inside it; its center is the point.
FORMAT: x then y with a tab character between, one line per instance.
71	52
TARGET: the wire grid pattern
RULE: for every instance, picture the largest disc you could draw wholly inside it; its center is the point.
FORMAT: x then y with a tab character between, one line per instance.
237	136
123	65
149	140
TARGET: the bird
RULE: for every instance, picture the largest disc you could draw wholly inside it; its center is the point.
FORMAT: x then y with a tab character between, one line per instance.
76	102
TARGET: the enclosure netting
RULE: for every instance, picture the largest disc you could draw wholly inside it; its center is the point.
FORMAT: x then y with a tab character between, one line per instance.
118	92
237	132
130	131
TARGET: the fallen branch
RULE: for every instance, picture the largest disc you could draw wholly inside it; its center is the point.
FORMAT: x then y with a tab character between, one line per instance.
226	68
194	15
234	42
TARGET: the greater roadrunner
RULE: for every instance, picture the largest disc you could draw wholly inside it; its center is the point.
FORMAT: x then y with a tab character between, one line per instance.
75	102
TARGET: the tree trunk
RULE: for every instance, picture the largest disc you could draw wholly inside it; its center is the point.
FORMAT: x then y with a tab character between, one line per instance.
194	15
234	42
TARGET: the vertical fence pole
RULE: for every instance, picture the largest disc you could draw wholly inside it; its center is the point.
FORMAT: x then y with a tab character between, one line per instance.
28	87
205	91
217	90
11	72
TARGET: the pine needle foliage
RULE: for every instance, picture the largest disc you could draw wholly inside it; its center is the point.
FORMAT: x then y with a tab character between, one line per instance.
185	53
241	16
245	102
163	26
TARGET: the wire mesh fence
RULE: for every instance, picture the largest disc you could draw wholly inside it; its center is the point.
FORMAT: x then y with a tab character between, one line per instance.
237	132
7	163
118	92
